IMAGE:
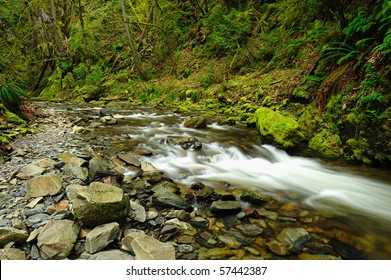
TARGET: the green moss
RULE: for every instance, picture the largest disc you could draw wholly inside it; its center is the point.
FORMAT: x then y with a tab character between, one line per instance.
326	144
309	121
277	128
182	109
228	121
13	118
357	150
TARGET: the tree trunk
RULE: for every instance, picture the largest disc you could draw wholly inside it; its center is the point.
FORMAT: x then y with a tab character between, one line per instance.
136	57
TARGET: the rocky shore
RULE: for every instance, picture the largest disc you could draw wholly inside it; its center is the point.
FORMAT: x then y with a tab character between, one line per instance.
61	198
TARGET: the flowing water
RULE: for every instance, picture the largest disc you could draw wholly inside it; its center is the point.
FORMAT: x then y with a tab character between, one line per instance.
232	156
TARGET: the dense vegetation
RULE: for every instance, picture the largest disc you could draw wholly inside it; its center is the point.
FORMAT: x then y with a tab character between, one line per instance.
321	67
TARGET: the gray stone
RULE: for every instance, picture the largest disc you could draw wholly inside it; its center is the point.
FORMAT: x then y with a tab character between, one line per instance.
294	238
168	199
76	171
149	248
29	171
10	234
250	230
4	222
100	204
72	159
129	237
44	185
73	190
12	254
184	248
37	220
199	222
108	120
107	255
225	207
57	238
101	236
137	212
46	163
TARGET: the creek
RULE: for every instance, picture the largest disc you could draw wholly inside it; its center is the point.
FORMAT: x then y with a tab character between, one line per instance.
355	199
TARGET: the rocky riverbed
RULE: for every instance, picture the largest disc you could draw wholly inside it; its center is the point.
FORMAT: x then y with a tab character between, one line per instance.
63	197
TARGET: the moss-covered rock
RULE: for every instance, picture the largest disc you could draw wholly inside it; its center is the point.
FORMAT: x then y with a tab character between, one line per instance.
309	121
357	150
326	144
13	118
196	122
282	130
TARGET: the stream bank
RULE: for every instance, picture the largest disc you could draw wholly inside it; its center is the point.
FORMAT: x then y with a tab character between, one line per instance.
81	152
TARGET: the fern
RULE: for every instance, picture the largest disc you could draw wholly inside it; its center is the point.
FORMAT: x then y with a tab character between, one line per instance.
12	96
339	52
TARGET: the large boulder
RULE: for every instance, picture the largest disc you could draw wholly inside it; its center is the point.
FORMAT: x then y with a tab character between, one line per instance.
282	130
57	239
326	144
44	185
100	204
196	122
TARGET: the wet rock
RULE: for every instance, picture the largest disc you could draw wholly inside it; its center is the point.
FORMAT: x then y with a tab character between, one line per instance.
165	186
216	253
187	143
149	248
107	255
78	129
196	122
10	234
143	151
98	165
290	240
268	214
304	256
108	120
101	203
199	222
203	192
30	171
44	185
57	238
229	241
130	158
12	254
250	230
253	197
184	248
137	212
76	171
347	251
71	159
168	199
101	236
225	207
179	214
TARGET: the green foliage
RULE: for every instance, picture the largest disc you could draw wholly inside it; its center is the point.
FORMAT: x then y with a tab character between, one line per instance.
229	30
12	96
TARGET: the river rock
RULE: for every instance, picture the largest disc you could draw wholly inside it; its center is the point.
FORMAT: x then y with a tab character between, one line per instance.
188	143
98	165
137	212
71	159
179	214
225	207
229	241
149	248
216	253
30	171
107	255
46	163
130	158
57	238
101	203
168	199
12	254
108	120
10	234
73	190
165	186
295	238
44	185
76	171
250	230
101	236
253	197
196	122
